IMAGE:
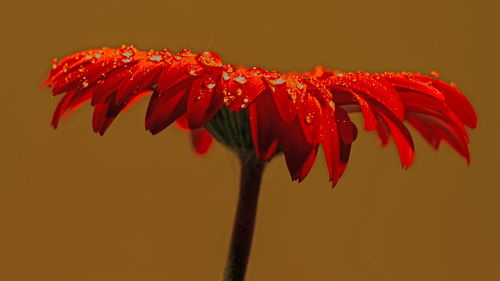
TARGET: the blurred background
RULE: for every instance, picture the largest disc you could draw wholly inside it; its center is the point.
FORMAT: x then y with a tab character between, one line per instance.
75	206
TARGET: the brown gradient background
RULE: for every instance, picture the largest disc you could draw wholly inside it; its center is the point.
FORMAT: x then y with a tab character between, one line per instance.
75	206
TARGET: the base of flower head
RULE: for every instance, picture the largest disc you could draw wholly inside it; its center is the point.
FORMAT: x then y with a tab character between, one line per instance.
233	130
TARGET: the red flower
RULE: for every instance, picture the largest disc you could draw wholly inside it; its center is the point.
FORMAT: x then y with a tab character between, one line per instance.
291	112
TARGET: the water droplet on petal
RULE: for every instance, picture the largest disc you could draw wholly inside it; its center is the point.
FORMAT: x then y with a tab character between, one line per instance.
225	76
155	57
85	83
245	100
209	59
292	94
435	74
127	53
192	71
331	104
240	79
300	85
166	52
185	53
278	81
211	85
198	98
239	92
309	119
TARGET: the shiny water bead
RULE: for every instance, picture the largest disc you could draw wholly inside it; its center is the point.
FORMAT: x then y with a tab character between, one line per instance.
240	79
127	52
225	76
185	53
292	94
277	80
166	52
435	74
331	104
192	71
309	119
156	57
209	59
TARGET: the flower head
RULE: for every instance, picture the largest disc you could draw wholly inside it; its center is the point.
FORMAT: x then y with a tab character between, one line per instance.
265	111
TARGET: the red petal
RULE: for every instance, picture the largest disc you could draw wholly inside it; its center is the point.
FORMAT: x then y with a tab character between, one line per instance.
401	135
285	100
335	149
165	108
382	132
105	113
299	153
199	100
202	140
144	76
266	125
175	73
310	117
405	81
456	101
369	118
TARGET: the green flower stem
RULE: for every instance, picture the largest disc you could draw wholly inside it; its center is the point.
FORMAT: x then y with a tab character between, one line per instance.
244	222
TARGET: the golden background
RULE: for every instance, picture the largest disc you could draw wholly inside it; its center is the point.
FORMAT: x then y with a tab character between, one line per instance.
75	206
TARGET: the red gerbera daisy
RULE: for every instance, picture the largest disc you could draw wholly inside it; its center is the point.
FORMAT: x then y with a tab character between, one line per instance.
260	113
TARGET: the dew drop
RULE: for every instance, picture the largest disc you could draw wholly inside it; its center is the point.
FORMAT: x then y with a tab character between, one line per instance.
127	51
176	57
278	81
331	104
309	119
85	83
435	74
185	53
54	66
126	60
292	94
209	59
225	76
245	100
241	79
211	85
239	92
156	57
300	86
192	71
166	52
